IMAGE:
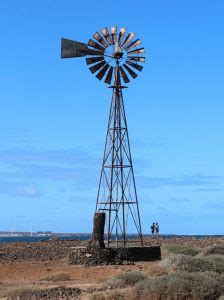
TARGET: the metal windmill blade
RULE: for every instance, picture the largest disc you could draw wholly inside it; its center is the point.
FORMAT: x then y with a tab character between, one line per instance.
130	71
95	45
133	44
102	72
107	36
136	58
128	39
121	35
139	50
100	39
124	75
109	75
96	67
134	65
92	60
114	33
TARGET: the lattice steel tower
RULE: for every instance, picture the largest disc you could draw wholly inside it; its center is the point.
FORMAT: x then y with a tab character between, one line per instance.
115	57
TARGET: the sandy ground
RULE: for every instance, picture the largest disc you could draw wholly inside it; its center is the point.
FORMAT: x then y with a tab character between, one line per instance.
32	272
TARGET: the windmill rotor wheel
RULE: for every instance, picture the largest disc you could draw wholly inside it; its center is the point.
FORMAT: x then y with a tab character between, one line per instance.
115	54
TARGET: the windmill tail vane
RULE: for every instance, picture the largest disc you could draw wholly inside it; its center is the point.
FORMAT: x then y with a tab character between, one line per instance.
114	57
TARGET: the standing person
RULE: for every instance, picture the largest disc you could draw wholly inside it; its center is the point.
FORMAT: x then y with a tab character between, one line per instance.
157	228
152	228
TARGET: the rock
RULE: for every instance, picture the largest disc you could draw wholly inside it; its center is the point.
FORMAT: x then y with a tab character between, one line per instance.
88	255
46	250
58	293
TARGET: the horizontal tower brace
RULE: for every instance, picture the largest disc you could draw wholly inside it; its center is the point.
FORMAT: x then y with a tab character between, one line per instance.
117	166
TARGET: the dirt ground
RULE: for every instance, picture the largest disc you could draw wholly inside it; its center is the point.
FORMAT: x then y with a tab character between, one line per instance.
26	272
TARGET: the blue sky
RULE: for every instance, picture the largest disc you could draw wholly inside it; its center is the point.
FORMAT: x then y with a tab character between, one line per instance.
53	114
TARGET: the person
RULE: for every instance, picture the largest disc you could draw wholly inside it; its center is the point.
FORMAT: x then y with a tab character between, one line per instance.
156	228
153	228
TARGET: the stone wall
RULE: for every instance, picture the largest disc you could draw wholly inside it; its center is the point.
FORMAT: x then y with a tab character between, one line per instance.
92	255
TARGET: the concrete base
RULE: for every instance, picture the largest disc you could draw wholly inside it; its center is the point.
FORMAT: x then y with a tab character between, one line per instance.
138	253
92	255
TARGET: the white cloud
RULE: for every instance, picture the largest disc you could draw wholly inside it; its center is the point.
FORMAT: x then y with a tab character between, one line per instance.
16	189
26	191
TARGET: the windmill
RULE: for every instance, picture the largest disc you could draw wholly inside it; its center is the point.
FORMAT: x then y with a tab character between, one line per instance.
115	57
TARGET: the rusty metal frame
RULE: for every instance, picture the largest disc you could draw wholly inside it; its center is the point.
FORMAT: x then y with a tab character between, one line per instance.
117	170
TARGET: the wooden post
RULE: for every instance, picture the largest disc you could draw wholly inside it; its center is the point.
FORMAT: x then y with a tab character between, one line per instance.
98	229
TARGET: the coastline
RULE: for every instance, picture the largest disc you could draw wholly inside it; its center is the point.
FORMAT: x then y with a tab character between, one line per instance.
8	238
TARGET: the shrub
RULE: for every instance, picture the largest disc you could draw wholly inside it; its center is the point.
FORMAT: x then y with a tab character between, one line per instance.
130	278
123	280
217	262
58	277
214	250
157	269
113	283
112	295
20	293
182	285
190	264
211	264
181	249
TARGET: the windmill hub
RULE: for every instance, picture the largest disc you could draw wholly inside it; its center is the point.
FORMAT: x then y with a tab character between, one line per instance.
118	53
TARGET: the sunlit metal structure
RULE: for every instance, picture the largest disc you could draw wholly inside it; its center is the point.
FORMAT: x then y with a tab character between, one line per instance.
114	56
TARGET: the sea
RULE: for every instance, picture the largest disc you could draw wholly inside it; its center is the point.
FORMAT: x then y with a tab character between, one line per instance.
84	237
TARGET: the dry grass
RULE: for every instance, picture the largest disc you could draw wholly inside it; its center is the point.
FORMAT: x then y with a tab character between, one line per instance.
179	262
111	295
21	293
183	285
179	285
131	278
156	270
113	283
182	249
208	263
124	280
217	262
57	277
190	278
215	250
